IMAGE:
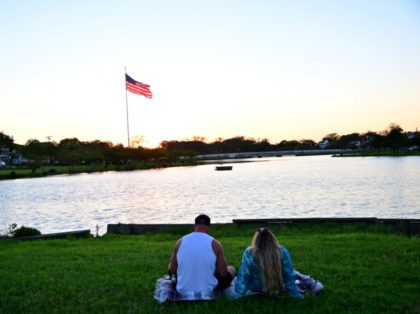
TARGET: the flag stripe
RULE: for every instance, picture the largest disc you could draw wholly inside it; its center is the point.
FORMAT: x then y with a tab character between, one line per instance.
137	87
139	90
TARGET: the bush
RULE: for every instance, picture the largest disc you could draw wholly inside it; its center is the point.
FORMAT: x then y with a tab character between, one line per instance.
24	232
14	232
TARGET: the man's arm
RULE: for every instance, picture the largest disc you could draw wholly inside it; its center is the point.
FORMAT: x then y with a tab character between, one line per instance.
173	264
221	263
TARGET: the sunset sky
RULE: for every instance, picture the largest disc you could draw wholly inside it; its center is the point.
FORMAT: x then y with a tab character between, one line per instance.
263	69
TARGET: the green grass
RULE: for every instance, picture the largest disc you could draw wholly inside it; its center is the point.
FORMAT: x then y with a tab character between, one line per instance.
364	269
378	153
25	172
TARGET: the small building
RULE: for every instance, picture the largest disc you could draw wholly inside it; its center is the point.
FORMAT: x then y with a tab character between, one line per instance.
324	144
5	155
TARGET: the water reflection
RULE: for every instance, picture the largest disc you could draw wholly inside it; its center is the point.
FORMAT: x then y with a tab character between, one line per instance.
312	186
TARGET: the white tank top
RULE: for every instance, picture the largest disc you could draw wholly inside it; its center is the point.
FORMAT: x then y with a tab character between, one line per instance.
196	264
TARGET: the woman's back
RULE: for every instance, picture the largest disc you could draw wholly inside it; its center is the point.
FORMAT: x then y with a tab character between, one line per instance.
266	268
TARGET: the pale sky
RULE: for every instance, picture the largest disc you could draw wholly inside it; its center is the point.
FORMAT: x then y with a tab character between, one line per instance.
281	70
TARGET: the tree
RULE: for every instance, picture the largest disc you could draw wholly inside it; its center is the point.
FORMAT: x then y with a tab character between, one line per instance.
69	151
32	148
333	139
395	136
351	141
70	143
305	144
371	140
33	151
287	145
239	144
263	145
6	140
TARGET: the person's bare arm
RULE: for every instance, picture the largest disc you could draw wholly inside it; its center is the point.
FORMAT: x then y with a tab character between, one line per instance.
221	263
173	264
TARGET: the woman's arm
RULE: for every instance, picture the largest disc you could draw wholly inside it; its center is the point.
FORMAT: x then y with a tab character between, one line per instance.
289	275
243	277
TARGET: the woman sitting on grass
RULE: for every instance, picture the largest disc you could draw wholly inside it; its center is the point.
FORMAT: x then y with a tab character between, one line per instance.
267	268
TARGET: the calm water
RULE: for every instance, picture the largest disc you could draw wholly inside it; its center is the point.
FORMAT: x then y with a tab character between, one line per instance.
312	186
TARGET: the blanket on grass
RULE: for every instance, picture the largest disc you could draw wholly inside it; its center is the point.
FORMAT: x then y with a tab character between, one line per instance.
165	290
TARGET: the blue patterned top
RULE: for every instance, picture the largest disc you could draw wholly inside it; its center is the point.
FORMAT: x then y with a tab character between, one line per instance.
249	281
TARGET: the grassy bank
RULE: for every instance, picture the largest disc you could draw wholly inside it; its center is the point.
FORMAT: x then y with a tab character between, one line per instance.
364	269
24	172
378	153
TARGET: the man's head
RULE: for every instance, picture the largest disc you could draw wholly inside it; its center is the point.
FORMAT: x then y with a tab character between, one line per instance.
202	220
202	223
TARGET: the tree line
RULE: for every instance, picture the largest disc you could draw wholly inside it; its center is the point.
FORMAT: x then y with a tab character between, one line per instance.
74	151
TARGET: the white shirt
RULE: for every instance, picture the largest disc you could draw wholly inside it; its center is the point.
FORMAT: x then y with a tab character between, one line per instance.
196	264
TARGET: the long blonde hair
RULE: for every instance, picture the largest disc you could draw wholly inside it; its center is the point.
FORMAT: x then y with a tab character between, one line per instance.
267	255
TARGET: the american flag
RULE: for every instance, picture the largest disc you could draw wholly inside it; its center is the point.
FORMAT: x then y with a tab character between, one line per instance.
137	87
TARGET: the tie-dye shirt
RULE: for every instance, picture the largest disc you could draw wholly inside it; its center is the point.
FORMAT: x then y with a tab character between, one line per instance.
249	279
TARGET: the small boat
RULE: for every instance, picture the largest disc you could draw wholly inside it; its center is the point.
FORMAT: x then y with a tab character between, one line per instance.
223	168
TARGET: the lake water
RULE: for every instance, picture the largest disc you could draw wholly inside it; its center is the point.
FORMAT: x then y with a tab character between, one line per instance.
284	187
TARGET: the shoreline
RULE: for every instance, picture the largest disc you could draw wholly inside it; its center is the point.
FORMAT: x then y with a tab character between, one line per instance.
408	227
48	170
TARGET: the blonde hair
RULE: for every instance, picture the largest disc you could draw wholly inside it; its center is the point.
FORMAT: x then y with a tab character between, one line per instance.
267	255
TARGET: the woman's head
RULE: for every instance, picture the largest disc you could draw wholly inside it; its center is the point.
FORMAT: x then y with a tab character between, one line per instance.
264	239
267	254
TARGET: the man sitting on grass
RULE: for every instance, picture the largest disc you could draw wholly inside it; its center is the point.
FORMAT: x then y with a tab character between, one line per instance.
199	264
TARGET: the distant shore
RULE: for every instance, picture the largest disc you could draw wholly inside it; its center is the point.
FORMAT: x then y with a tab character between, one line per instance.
20	172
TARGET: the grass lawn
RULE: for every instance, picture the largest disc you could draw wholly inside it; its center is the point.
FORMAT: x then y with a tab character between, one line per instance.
25	172
378	153
364	270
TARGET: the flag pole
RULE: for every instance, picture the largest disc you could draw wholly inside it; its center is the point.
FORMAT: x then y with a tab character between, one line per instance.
126	106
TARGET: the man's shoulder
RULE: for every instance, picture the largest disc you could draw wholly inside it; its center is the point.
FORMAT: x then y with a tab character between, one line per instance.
196	237
217	246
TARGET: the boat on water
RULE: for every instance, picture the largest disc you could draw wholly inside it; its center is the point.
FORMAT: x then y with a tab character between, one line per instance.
221	168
